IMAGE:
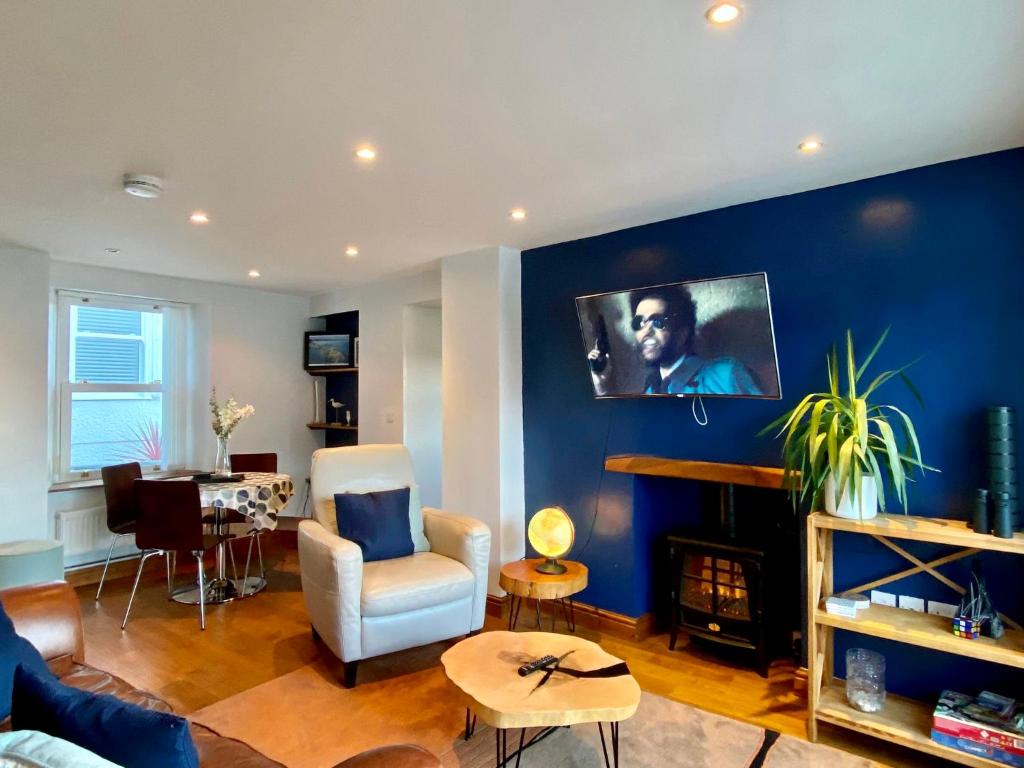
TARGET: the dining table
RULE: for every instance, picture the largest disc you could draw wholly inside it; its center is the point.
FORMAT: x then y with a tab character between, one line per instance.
259	497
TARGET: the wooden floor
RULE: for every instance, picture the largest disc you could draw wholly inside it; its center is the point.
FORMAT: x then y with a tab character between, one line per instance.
251	641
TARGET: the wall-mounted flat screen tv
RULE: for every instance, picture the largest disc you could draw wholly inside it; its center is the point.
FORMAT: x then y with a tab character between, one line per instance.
700	337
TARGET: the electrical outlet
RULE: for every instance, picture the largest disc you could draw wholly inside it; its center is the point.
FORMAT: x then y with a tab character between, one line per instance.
909	603
937	608
883	598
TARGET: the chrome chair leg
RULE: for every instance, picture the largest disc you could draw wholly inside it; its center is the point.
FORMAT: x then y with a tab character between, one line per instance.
106	565
245	576
170	556
138	575
202	591
259	551
231	556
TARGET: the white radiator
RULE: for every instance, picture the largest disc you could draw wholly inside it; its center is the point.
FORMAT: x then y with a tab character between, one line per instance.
86	538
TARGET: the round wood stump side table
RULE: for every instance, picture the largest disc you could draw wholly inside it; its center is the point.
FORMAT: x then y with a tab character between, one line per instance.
521	579
483	671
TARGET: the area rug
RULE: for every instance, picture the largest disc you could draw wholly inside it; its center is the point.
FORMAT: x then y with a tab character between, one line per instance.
307	719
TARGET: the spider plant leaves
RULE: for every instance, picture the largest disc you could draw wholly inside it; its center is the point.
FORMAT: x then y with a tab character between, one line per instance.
845	437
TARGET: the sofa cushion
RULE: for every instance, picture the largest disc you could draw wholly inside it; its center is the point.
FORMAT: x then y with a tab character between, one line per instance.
14	651
116	730
377	521
422	580
35	749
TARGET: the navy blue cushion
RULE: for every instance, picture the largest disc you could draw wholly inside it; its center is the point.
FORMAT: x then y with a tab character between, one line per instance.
378	522
123	733
15	650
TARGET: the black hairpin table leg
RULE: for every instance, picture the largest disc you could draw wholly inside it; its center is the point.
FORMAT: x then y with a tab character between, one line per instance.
513	611
500	747
614	761
569	611
470	726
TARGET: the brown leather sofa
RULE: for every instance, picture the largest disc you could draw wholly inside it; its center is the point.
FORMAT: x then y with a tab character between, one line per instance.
49	617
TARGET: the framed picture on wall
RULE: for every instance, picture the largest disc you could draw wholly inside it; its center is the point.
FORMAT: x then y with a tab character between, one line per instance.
327	350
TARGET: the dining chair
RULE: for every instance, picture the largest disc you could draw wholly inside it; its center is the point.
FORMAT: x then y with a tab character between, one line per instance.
122	507
254	462
170	520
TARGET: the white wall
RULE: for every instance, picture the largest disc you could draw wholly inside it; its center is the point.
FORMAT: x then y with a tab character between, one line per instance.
381	326
421	405
244	341
24	337
482	391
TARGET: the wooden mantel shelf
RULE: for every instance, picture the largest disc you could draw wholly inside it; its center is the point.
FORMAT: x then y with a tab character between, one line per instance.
684	469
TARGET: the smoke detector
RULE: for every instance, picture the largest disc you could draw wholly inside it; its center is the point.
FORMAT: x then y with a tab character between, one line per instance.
141	185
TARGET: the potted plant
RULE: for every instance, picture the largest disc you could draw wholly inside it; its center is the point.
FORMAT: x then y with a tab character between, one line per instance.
843	449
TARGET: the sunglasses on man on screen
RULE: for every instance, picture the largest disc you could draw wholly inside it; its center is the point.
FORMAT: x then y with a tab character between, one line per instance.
656	321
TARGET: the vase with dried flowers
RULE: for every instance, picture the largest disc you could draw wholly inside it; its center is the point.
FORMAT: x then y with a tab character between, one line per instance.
226	417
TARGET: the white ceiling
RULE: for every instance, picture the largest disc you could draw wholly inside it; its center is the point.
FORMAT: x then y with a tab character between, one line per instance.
593	114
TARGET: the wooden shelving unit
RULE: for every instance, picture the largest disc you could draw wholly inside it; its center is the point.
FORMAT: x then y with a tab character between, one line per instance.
903	721
325	371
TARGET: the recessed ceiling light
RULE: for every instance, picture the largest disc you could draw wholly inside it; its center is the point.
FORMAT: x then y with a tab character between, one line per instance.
112	250
809	146
254	273
351	251
199	217
366	154
517	214
722	13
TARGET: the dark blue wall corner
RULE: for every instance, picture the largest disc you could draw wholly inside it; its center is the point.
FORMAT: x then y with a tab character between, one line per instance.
935	252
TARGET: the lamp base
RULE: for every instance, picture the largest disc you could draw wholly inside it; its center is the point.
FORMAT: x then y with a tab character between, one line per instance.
551	567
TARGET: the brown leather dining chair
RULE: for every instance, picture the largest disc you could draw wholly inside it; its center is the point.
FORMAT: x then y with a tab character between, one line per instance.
254	462
122	508
170	521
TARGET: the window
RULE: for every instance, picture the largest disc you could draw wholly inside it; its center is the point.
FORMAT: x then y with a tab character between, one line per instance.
120	378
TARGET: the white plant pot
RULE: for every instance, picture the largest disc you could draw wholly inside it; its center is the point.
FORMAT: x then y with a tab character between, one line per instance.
864	504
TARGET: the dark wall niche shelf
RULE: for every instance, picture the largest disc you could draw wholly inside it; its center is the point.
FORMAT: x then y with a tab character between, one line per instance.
325	371
340	383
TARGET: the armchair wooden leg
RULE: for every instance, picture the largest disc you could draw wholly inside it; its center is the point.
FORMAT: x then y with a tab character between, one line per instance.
351	667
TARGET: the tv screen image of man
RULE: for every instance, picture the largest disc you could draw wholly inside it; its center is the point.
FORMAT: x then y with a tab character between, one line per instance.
663	325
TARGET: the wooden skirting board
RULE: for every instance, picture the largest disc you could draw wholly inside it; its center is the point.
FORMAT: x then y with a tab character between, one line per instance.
611	623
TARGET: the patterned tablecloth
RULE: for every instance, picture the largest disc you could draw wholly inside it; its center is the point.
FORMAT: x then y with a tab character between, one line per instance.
260	496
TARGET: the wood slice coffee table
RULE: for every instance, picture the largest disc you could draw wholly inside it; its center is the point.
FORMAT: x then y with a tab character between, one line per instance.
484	670
521	578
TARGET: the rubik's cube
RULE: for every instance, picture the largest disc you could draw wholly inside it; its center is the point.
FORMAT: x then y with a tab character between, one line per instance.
967	628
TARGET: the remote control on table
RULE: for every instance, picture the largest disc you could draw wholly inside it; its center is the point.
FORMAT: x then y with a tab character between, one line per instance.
533	666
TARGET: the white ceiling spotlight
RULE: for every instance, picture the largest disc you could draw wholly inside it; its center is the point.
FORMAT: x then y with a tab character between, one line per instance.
722	13
351	251
254	273
366	154
112	250
809	146
142	185
517	214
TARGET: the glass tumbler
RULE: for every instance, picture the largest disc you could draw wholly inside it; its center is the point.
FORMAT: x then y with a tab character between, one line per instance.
865	679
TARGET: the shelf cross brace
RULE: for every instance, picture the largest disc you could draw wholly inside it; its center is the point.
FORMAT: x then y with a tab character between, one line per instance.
922	567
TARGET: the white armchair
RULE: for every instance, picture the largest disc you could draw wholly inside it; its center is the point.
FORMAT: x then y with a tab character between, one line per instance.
360	610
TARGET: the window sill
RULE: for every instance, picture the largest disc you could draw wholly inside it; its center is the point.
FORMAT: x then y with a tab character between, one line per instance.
97	482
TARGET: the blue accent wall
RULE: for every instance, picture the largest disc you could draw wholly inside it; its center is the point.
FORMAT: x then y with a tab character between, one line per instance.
935	252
